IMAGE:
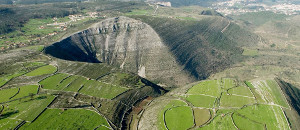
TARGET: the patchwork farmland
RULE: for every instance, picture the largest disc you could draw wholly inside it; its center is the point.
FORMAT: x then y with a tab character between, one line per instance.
39	91
227	104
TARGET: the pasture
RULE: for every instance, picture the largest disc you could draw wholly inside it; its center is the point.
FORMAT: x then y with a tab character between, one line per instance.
48	69
76	118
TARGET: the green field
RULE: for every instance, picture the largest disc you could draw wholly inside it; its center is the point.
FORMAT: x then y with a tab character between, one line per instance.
272	116
65	82
102	90
52	81
235	101
76	84
27	109
179	118
201	101
4	79
228	83
48	69
220	122
6	94
244	123
26	91
201	116
243	91
67	119
8	124
172	103
210	87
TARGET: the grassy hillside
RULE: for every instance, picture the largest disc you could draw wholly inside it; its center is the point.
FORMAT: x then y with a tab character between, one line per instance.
200	46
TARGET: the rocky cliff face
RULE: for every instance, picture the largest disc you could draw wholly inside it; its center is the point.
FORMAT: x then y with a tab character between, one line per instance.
130	44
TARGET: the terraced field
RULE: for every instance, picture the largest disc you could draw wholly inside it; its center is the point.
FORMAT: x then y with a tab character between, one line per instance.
76	118
48	69
31	106
26	91
4	79
75	83
27	108
52	81
102	90
227	104
6	94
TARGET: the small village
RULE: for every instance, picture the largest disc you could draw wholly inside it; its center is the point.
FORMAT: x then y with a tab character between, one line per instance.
244	6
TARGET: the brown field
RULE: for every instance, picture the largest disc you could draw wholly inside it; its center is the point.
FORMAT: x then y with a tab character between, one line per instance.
201	116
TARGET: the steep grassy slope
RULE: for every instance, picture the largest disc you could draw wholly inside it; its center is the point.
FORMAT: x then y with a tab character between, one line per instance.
205	46
293	96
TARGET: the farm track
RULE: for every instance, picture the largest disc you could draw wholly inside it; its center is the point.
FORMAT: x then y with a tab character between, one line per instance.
224	29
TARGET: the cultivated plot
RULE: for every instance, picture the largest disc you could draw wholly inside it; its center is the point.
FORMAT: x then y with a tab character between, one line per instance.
228	83
4	79
48	69
240	91
225	104
201	116
52	81
7	94
28	108
220	122
102	90
235	101
201	101
76	118
210	88
9	124
180	118
270	115
76	84
28	90
245	123
66	82
171	104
